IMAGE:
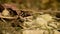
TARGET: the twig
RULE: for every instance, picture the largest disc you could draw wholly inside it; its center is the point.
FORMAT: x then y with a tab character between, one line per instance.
9	17
3	20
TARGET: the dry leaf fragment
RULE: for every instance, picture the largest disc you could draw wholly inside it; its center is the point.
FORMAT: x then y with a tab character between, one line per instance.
5	13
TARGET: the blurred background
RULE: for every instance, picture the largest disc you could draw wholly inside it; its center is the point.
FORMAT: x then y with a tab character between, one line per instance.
36	4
